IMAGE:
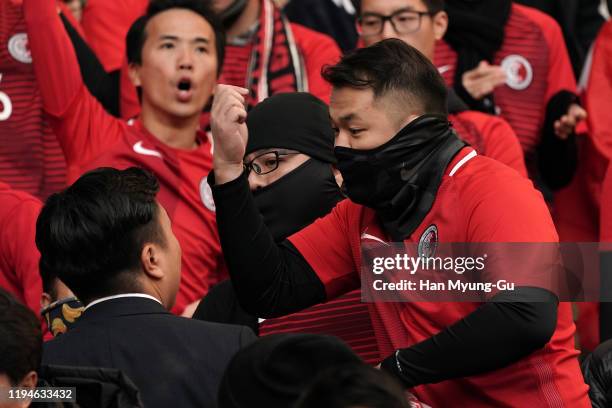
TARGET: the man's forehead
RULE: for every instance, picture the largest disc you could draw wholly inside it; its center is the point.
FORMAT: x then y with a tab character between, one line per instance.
346	103
390	5
180	23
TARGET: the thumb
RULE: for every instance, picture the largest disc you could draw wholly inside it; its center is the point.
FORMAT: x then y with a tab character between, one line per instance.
578	112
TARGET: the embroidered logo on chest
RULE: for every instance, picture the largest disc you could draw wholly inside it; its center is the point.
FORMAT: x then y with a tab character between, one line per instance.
519	72
428	243
18	48
206	195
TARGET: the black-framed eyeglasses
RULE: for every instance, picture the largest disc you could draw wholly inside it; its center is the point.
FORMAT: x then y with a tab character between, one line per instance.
403	21
267	162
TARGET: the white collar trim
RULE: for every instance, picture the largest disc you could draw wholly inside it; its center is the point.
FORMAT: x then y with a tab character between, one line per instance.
123	295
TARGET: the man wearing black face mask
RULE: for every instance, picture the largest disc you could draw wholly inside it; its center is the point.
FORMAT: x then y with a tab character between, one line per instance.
289	155
410	179
289	158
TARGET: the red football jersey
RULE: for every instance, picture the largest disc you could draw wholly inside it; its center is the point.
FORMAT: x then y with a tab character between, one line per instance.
91	138
18	254
479	200
30	157
490	136
537	64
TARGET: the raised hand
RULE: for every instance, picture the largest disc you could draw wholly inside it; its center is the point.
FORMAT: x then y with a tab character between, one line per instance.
229	132
482	80
566	125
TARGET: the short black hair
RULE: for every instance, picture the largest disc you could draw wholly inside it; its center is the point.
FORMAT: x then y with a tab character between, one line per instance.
392	66
91	234
137	34
433	6
20	339
351	386
49	278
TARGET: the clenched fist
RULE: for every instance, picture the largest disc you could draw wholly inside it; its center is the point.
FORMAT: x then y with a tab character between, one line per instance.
229	132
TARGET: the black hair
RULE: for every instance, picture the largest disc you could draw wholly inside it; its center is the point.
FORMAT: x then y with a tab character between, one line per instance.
49	279
392	66
91	234
20	339
433	6
351	386
137	33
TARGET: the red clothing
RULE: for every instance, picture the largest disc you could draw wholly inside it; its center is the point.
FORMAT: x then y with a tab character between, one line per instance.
606	207
316	49
577	207
345	317
482	202
236	64
106	24
91	138
490	136
534	52
30	157
18	253
582	210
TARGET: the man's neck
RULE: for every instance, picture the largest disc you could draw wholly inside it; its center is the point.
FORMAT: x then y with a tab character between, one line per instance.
247	18
178	133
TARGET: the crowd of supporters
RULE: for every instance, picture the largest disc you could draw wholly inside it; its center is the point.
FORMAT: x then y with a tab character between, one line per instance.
191	191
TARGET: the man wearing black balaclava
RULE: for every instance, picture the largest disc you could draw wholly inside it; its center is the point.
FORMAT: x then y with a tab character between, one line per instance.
409	179
290	153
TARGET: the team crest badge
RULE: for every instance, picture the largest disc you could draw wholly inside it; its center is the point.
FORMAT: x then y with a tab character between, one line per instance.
206	195
428	243
18	48
519	73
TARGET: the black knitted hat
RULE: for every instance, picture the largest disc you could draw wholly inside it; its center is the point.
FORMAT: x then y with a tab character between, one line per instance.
298	121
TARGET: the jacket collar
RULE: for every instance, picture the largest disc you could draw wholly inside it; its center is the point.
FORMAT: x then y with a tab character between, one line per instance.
121	306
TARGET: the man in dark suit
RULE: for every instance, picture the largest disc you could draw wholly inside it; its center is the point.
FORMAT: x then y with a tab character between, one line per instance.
111	242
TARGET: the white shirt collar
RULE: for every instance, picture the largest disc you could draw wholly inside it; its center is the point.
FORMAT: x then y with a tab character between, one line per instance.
123	295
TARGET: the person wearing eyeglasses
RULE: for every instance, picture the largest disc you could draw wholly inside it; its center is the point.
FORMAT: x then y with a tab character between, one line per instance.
421	23
409	180
289	159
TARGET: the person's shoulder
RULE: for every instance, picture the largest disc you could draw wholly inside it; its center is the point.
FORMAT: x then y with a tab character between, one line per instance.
56	349
17	196
205	327
224	336
477	117
489	126
305	36
539	19
12	201
606	30
500	205
128	144
483	176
